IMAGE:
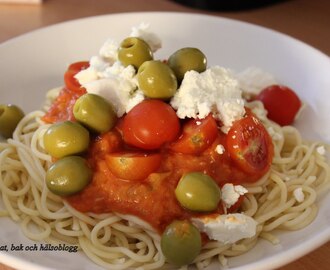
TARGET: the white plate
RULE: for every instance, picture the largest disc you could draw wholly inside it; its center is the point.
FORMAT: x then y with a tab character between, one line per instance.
33	63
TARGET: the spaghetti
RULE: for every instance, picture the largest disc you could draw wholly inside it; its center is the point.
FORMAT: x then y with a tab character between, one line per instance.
116	241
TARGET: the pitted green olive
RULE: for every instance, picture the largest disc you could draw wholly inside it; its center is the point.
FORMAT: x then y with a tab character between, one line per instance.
198	192
157	80
10	115
66	138
94	112
68	176
134	51
187	59
181	242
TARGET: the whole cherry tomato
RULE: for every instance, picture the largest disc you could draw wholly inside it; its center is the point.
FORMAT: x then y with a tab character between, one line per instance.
70	81
150	124
62	108
281	102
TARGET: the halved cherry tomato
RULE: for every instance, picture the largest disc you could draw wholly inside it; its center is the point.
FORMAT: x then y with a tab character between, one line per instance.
250	145
106	143
70	81
197	135
78	66
281	102
150	124
132	165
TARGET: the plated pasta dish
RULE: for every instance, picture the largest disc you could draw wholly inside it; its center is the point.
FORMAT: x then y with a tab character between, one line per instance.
146	163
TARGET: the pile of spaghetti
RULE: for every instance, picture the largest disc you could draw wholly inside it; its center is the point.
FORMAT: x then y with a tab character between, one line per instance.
284	198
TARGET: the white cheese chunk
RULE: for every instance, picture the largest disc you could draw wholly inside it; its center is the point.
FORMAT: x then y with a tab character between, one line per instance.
87	75
321	150
115	83
220	149
252	80
107	77
227	229
118	70
230	193
99	63
212	91
109	50
116	90
97	66
134	99
299	194
142	31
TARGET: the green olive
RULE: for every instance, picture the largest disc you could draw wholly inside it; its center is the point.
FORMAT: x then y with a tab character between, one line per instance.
197	191
181	242
157	80
66	138
134	51
68	176
95	112
10	115
187	59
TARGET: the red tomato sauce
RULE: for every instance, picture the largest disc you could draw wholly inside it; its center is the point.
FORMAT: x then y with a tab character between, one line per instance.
152	199
62	107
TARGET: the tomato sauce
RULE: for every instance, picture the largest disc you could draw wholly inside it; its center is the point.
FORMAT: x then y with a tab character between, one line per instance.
62	107
152	199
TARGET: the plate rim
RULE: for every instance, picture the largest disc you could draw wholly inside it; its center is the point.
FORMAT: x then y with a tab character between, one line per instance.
182	13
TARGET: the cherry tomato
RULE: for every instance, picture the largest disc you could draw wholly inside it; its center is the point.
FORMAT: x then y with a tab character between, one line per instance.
150	124
197	135
70	81
250	145
106	143
78	66
281	102
133	166
62	107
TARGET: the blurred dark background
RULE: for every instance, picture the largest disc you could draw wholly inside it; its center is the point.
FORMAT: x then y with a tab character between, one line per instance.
230	5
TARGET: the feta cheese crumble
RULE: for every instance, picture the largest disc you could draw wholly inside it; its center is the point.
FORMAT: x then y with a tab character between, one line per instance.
230	194
299	194
252	80
212	91
143	32
227	229
220	149
109	51
107	77
216	90
321	150
115	90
